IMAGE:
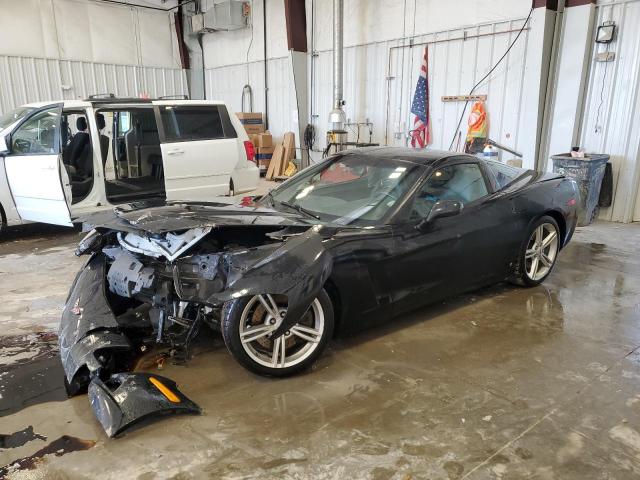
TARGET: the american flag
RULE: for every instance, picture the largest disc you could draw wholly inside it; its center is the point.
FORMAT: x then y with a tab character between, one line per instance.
421	134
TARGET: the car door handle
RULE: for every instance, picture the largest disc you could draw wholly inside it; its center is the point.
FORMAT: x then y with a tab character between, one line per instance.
175	152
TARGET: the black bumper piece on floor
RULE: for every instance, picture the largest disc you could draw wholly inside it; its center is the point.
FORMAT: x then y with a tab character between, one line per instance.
128	398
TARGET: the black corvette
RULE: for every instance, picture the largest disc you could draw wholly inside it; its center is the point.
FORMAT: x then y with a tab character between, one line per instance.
354	241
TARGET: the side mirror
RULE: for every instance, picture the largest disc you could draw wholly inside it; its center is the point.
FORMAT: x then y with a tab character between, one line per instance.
440	209
5	141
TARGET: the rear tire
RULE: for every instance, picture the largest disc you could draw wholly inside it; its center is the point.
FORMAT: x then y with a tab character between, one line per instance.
246	324
539	252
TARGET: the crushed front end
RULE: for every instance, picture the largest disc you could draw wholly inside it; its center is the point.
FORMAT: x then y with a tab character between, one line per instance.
142	289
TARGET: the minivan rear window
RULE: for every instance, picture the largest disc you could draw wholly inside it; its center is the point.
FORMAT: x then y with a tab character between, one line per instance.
184	123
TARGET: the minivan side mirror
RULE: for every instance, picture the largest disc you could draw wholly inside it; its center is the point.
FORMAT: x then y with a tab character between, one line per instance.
5	141
440	209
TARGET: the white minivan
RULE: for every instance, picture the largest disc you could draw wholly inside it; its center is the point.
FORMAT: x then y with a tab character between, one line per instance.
61	160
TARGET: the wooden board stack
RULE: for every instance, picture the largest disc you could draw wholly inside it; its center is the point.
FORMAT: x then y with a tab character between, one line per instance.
283	153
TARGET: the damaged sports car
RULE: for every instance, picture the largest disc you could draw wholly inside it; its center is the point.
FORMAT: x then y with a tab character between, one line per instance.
354	241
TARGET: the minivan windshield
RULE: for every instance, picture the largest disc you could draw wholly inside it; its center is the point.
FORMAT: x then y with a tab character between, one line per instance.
352	189
13	116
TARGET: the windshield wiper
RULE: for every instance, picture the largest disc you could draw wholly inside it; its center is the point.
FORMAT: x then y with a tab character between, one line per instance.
300	209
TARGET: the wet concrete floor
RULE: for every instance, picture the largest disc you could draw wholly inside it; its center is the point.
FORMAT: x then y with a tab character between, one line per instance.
503	383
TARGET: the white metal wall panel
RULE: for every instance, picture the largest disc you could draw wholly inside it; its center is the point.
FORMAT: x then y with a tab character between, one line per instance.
365	85
283	108
24	80
27	79
611	124
455	65
225	83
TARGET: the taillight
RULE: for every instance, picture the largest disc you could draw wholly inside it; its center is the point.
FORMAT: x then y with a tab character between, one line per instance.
250	150
571	202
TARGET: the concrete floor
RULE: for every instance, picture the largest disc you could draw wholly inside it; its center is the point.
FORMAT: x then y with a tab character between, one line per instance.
504	383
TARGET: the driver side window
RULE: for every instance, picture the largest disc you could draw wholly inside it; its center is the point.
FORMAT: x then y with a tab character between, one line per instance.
463	182
38	135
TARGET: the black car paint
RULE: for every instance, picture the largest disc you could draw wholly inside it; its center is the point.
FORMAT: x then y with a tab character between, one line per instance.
297	268
125	399
372	273
383	258
88	326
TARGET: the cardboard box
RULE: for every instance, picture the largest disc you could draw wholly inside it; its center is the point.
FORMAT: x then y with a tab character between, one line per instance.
253	129
265	140
265	150
252	122
254	138
252	118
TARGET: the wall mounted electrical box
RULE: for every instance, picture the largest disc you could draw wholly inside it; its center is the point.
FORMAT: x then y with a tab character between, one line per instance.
223	15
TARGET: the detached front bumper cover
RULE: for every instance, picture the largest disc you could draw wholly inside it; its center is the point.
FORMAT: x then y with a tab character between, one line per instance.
128	398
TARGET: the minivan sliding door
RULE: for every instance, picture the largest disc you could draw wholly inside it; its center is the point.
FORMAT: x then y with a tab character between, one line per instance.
198	152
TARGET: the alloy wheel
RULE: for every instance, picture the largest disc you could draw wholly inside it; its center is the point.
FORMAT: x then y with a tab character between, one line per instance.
262	316
541	251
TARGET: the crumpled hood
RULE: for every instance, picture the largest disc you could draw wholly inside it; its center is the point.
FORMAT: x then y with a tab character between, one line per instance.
177	216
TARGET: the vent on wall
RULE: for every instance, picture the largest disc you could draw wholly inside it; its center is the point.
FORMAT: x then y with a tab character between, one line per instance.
222	16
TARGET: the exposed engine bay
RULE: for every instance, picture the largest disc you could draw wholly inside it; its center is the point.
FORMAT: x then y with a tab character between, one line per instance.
142	289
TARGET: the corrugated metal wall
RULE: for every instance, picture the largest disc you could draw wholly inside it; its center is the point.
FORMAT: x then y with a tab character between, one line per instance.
225	83
27	79
380	79
611	124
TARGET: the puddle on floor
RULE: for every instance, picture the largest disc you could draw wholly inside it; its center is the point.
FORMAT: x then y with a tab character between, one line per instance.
30	372
61	446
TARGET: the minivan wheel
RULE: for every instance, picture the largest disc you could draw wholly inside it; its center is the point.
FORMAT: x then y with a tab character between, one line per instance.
247	324
539	252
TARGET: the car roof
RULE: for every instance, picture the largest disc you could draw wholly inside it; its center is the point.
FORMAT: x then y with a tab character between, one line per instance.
67	103
413	155
129	101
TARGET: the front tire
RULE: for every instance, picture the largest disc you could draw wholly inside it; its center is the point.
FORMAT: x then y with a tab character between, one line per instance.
248	321
539	252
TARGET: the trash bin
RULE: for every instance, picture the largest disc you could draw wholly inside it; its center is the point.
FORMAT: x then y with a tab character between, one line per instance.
588	173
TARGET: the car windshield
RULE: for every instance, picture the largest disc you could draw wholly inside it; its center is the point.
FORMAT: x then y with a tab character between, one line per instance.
13	116
352	189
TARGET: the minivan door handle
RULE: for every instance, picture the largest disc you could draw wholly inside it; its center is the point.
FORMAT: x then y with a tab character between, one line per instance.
175	152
